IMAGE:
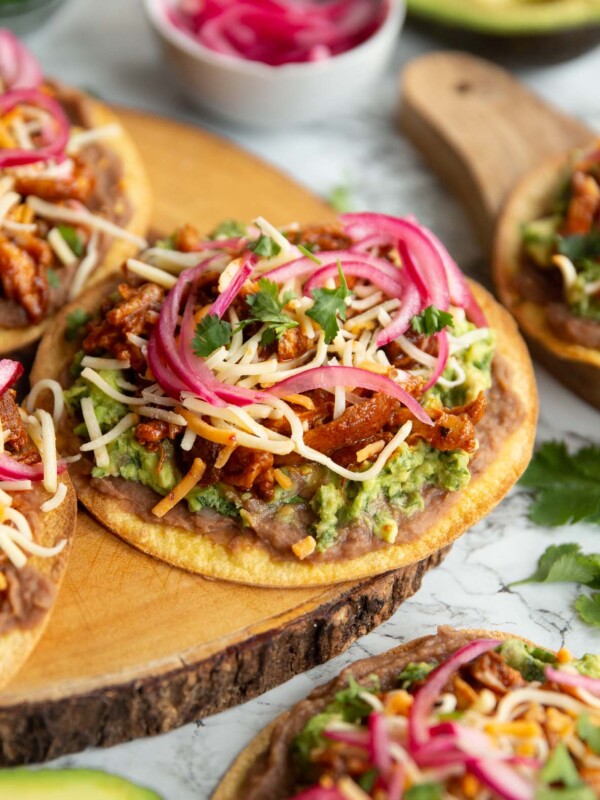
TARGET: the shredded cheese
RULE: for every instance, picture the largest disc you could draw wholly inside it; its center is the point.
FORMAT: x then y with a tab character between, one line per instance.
86	266
57	242
158	276
81	139
94	432
97	443
182	488
304	548
57	397
57	499
48	450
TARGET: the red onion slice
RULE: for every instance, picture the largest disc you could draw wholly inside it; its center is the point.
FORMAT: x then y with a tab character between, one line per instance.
351	377
418	726
10	371
564	678
353	738
391	284
225	299
13	470
379	744
502	779
19	69
16	157
442	359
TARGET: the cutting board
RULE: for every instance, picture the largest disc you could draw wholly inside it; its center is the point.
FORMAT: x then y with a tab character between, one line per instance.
136	647
481	129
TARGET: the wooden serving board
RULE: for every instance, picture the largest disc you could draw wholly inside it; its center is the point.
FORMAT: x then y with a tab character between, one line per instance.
136	647
481	129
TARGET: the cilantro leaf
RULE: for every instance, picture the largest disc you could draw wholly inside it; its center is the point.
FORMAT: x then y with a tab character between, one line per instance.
413	672
589	733
368	779
559	768
75	320
211	333
228	229
425	791
340	198
431	321
265	246
567	485
580	246
72	238
328	305
566	563
588	608
53	278
168	243
267	308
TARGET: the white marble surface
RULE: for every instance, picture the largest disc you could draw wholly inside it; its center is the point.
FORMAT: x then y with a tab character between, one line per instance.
107	46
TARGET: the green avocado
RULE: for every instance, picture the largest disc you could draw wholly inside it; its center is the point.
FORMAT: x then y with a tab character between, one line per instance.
68	784
509	17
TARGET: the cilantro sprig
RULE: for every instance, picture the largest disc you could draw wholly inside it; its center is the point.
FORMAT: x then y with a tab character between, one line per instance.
265	246
430	321
565	563
329	305
566	486
75	321
267	308
211	333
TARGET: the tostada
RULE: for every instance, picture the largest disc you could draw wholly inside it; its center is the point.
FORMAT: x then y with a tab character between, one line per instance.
292	407
74	197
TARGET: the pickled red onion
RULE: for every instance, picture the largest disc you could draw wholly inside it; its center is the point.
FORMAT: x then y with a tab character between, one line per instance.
19	69
16	157
10	371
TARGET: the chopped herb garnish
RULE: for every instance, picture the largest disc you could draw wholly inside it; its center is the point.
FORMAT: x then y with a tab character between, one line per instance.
228	229
413	672
567	486
328	305
580	246
211	333
309	254
340	198
425	791
168	243
75	320
53	278
265	246
431	321
267	308
560	769
72	238
368	779
589	733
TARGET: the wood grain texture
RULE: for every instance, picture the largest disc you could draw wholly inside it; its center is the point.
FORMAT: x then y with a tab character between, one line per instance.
480	129
136	647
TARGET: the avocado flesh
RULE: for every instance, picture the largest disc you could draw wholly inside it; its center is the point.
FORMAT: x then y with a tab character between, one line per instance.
68	784
510	17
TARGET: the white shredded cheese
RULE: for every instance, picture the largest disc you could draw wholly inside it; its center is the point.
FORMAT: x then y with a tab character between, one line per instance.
62	250
152	274
81	139
86	267
94	432
57	397
55	501
128	421
99	381
48	450
104	363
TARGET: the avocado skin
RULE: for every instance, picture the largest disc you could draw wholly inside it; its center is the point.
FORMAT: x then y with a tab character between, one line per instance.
69	784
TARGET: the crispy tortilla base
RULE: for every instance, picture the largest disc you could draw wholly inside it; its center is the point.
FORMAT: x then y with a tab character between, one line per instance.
255	565
232	785
578	367
17	645
136	188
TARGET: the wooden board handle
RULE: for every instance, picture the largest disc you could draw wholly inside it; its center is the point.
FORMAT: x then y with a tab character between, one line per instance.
480	129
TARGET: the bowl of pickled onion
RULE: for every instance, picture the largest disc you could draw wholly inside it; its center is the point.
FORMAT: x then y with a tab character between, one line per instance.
276	63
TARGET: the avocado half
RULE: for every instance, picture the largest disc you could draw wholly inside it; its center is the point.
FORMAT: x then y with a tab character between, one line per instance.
510	17
68	784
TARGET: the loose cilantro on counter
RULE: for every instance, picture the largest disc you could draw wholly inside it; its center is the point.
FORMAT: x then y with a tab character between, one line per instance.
565	563
431	321
267	308
567	486
329	304
211	333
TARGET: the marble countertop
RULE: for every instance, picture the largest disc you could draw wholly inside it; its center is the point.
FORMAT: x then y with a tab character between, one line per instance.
108	47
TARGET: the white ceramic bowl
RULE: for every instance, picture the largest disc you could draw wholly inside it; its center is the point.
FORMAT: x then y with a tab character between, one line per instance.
257	94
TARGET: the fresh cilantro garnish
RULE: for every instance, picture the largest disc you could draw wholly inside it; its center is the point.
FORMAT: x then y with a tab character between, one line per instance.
265	246
589	733
211	333
228	229
588	608
267	308
53	278
72	238
565	563
340	198
567	486
425	791
580	246
328	305
168	243
75	320
560	770
368	779
309	254
431	321
413	672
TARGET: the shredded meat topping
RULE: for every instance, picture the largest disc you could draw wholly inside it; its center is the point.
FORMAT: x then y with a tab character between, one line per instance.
23	273
18	443
492	671
321	237
583	206
136	312
151	433
77	187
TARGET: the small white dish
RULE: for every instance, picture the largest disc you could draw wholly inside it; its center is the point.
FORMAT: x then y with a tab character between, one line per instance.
256	94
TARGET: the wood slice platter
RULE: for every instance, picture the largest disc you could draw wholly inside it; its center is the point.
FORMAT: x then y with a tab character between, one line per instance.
136	647
481	129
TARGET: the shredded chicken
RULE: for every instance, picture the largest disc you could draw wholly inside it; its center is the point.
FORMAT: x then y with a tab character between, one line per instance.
583	206
23	273
77	187
492	671
18	443
151	433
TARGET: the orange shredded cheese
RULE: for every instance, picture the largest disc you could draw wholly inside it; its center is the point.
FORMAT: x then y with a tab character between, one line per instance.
470	786
380	369
224	456
300	400
182	488
398	703
369	450
3	582
282	479
522	729
564	656
304	548
202	428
